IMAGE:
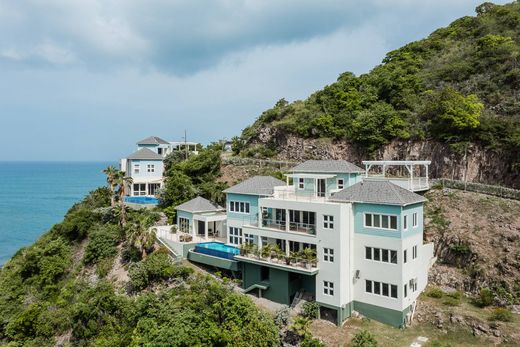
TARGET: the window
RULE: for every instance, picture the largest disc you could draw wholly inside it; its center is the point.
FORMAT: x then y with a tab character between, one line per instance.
405	256
385	289
137	168
184	224
328	288
301	183
159	150
235	235
405	222
328	255
239	206
139	189
328	222
248	238
393	291
377	288
377	254
340	183
368	253
405	291
414	252
381	254
382	221
414	219
150	167
393	257
381	288
384	256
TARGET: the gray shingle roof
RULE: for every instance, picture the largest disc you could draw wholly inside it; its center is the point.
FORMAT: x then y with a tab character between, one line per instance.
153	140
199	204
144	154
378	192
257	185
329	166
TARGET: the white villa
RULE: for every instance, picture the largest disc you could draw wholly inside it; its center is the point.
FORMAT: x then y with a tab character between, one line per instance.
366	234
145	166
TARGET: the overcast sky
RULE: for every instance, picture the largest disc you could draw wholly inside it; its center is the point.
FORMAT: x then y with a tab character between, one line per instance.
84	80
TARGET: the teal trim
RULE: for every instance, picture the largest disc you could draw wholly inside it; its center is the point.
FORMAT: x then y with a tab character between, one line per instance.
184	214
253	207
381	314
213	261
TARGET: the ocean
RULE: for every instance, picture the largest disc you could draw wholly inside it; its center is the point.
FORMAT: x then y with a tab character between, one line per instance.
36	195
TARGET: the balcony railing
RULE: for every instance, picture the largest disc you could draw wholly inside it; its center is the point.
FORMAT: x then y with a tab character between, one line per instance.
281	225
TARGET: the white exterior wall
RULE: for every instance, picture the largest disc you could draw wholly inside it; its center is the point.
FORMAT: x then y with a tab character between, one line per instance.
144	175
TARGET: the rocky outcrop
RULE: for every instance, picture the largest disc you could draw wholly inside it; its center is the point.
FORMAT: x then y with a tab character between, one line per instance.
477	163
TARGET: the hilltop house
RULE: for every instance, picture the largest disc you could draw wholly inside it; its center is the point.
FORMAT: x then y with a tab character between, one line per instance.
146	168
330	233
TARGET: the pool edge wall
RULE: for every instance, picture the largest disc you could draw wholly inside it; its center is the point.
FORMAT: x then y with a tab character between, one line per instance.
210	260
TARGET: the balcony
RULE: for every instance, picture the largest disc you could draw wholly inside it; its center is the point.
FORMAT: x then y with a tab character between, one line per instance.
303	262
290	193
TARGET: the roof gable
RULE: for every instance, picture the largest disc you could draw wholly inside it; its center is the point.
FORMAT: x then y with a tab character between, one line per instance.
257	185
144	154
378	192
199	204
330	166
153	140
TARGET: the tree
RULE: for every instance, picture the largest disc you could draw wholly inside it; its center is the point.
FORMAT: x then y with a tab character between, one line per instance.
121	180
450	114
141	235
111	173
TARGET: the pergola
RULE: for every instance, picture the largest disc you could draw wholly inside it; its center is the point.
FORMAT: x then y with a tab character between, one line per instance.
413	183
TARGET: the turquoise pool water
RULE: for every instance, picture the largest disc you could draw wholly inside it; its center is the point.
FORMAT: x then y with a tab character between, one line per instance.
144	200
217	249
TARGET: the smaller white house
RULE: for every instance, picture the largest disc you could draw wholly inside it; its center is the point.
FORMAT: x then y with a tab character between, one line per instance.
146	169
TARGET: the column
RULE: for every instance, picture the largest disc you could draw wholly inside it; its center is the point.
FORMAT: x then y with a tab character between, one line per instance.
260	245
287	218
206	229
260	216
287	248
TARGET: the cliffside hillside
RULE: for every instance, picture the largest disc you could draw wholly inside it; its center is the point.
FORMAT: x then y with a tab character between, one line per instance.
452	97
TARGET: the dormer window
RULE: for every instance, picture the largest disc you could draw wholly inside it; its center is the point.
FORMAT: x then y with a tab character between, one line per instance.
340	183
137	168
301	183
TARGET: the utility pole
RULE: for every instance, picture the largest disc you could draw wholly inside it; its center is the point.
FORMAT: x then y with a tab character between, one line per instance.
185	144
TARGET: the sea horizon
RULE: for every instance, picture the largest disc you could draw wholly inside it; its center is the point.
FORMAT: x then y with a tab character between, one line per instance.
37	194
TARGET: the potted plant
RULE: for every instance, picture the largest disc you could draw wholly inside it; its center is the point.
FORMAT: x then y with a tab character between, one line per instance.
309	255
278	253
266	251
174	229
244	248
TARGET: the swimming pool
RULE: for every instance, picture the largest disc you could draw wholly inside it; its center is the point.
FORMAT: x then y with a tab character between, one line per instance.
217	249
144	200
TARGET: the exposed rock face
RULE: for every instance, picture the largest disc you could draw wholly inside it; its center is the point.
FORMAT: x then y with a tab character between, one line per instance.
484	166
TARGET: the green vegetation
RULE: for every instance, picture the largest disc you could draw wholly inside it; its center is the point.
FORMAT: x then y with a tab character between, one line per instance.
57	290
311	310
187	178
364	339
502	314
457	86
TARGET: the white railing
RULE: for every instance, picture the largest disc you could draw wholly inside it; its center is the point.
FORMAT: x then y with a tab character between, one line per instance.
290	193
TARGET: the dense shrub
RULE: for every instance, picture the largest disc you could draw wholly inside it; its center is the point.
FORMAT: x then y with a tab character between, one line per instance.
434	292
157	267
77	223
281	317
486	297
502	314
102	243
364	339
311	310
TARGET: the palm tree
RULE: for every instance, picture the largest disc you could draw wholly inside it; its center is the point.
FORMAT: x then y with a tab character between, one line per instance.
111	173
121	180
141	236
